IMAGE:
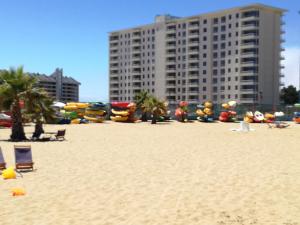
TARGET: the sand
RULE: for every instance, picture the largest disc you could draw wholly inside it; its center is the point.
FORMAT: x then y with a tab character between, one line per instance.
174	173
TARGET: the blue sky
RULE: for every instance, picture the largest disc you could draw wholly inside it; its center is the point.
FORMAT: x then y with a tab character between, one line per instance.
73	34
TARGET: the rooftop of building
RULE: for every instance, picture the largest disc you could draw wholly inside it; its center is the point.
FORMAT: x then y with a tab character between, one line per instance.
170	18
53	76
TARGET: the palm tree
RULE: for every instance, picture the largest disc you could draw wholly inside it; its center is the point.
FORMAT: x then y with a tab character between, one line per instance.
155	107
140	99
39	109
13	87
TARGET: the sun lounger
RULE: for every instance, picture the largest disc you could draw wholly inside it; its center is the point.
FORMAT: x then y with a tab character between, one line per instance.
2	162
60	135
23	157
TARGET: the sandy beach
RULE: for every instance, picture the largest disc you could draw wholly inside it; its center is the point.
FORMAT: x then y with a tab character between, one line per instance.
170	173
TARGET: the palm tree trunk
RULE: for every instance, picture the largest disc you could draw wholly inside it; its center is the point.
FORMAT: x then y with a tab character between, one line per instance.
38	130
154	118
18	133
144	117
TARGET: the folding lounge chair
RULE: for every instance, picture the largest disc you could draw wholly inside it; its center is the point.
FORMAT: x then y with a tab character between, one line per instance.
23	157
60	135
2	162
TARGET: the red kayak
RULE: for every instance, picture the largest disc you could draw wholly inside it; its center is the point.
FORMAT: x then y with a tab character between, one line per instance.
120	104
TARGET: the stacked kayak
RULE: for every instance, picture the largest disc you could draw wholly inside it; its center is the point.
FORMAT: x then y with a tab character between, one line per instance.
95	113
75	111
123	111
205	112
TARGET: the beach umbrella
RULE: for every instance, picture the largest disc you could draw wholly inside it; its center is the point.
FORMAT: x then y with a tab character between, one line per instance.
59	104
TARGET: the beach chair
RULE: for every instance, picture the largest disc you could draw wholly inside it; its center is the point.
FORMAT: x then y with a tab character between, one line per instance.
60	135
2	162
23	157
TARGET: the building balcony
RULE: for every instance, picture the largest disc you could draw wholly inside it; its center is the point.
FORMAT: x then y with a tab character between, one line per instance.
194	59
136	65
171	30
249	45
114	66
170	37
193	75
114	46
114	81
114	88
136	77
249	54
249	36
114	60
248	100
250	27
114	53
193	84
194	43
250	18
171	76
136	43
114	95
170	70
171	46
248	91
193	34
114	41
136	49
170	84
193	51
171	62
249	81
170	93
281	84
193	68
171	53
249	64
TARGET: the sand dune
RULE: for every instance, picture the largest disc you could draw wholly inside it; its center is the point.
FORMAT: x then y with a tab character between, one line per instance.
136	174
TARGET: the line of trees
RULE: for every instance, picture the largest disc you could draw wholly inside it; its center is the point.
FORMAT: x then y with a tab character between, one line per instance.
17	87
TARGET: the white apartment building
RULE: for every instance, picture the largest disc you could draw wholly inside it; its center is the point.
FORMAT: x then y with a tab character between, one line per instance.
232	54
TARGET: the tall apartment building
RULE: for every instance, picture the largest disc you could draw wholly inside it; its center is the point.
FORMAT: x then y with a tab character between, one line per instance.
233	54
61	88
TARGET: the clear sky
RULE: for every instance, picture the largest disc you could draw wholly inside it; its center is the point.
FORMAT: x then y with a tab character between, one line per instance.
73	34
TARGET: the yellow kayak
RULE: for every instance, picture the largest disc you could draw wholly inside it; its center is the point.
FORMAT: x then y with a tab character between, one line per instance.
95	112
119	118
75	121
120	113
70	107
94	119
